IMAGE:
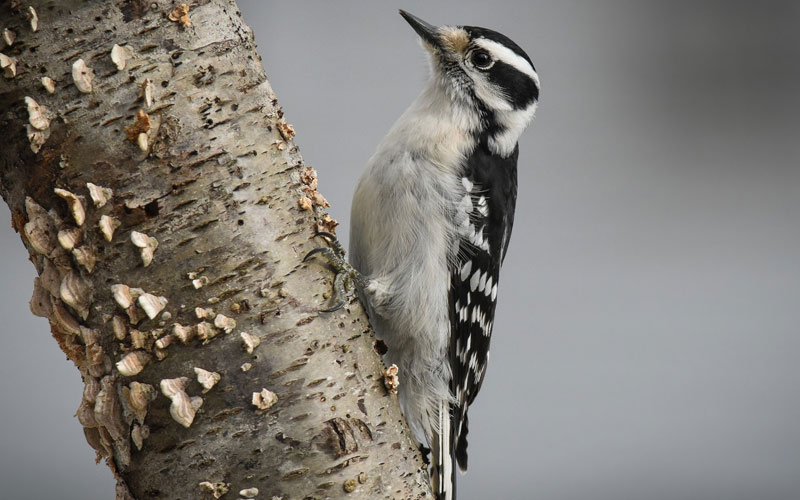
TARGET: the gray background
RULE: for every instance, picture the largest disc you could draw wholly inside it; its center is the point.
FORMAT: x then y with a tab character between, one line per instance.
646	344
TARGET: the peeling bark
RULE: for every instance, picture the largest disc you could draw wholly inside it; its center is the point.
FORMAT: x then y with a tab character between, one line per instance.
153	179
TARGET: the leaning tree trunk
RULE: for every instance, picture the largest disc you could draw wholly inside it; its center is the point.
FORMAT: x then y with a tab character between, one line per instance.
155	183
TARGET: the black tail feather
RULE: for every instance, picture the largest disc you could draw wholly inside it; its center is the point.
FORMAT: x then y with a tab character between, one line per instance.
460	440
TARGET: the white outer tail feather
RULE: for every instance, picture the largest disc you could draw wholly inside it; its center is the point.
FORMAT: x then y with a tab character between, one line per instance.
443	485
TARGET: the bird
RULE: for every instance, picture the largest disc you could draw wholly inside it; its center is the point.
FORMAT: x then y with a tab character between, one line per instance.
430	226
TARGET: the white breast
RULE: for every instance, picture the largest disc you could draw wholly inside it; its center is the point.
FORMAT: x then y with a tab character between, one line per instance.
403	238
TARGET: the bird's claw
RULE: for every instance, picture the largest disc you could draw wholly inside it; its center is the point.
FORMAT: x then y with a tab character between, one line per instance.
347	277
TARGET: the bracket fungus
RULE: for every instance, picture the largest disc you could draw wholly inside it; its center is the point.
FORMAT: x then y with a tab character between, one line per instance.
85	257
74	204
9	37
206	331
40	230
82	75
119	56
137	132
138	434
138	397
250	341
224	323
165	341
350	485
70	237
122	295
141	340
319	200
391	380
200	282
206	378
218	490
305	203
183	408
40	300
99	194
180	14
108	414
184	333
286	130
62	320
142	142
147	92
249	493
119	327
37	138
265	399
48	84
37	114
133	363
85	413
147	246
107	226
308	176
8	65
76	292
204	313
151	304
33	18
51	278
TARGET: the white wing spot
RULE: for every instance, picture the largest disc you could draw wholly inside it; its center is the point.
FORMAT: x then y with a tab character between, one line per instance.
473	361
479	240
465	270
476	312
488	289
483	208
473	282
467	184
494	292
462	312
482	282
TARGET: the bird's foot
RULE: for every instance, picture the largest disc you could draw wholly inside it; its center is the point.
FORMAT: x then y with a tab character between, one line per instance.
425	452
347	277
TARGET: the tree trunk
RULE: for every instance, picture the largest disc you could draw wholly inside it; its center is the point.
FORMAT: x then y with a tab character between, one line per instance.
194	253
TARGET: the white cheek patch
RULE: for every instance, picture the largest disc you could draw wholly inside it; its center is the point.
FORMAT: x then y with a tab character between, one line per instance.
514	123
491	95
508	56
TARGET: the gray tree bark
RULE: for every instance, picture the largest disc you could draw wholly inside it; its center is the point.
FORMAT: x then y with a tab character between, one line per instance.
157	187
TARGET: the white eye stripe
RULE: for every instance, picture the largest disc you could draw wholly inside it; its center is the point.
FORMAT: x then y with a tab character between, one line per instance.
508	56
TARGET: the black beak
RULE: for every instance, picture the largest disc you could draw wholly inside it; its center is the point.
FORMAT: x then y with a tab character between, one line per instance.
427	32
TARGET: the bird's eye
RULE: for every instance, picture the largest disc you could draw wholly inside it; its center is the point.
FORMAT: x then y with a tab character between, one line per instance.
481	59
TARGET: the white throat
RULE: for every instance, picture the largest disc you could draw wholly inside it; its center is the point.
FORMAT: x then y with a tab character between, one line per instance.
514	123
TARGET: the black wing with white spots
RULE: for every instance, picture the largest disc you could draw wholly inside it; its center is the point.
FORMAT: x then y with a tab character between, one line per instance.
490	183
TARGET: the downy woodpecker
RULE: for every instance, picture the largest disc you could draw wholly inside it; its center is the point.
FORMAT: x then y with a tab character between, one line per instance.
430	226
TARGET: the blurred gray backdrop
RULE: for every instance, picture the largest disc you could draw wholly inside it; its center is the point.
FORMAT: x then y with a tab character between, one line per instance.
648	331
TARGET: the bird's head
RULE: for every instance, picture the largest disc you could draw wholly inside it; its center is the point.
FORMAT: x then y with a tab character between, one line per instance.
485	70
